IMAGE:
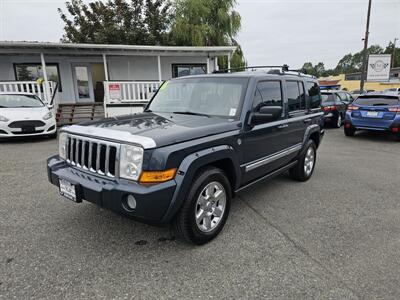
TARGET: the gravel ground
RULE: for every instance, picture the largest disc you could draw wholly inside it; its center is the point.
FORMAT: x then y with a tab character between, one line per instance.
336	236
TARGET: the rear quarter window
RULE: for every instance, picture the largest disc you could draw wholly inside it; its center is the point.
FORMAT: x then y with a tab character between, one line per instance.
314	94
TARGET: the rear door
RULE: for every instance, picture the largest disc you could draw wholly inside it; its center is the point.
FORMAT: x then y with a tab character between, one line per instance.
297	111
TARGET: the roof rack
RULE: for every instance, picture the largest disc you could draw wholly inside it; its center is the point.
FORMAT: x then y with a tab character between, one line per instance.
281	70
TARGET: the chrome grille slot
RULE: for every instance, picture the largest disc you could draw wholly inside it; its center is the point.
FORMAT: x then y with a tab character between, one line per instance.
93	155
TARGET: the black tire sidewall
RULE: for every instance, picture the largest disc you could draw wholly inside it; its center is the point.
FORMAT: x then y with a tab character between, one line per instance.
209	175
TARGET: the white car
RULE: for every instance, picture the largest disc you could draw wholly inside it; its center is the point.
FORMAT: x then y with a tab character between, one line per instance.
24	114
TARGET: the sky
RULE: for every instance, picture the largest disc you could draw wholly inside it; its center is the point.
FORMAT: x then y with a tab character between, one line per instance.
273	31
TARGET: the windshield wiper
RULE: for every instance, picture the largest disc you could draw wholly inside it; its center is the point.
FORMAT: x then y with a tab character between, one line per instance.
190	113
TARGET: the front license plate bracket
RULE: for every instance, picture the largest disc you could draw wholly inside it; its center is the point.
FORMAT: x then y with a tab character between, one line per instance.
70	190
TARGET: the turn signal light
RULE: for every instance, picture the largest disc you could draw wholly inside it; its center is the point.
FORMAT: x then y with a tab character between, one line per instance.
157	176
352	107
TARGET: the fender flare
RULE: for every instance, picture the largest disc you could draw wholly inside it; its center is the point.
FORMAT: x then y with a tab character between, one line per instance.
188	169
310	130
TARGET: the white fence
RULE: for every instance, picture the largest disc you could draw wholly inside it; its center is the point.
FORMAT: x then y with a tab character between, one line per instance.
129	91
29	87
127	97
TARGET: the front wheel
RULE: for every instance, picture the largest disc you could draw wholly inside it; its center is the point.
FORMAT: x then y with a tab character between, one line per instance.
303	170
204	213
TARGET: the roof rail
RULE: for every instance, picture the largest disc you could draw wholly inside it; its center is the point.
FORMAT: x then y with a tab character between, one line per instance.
282	70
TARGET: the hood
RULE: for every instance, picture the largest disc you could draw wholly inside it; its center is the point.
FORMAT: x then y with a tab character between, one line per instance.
24	113
166	128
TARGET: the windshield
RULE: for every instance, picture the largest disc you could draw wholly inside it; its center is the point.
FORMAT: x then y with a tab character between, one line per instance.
15	101
207	96
327	97
377	101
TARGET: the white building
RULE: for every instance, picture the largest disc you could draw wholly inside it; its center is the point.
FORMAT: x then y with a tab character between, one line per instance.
118	75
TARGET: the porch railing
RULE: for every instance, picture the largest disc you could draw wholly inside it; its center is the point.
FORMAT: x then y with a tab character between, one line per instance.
129	91
34	87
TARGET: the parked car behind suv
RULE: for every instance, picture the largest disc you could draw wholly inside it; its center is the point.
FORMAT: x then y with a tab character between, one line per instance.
375	111
334	105
24	114
200	140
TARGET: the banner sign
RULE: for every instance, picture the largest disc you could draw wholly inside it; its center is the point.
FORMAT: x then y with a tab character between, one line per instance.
115	91
379	67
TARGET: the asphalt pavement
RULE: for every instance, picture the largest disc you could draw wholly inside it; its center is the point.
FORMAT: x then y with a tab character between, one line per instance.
336	236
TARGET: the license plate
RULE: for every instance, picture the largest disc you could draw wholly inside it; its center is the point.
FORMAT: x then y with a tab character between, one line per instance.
68	190
28	128
372	113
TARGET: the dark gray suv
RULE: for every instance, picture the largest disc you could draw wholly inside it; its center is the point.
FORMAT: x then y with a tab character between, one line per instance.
199	142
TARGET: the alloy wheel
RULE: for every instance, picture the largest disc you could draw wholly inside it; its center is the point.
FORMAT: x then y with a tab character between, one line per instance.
309	161
210	206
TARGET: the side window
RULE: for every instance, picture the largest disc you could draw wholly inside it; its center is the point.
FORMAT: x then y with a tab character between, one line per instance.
296	95
314	95
339	98
268	93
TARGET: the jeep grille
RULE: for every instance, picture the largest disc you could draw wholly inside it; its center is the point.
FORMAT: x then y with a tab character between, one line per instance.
93	155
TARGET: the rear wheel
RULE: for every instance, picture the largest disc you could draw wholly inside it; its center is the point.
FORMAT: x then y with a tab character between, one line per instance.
303	170
349	131
338	122
204	213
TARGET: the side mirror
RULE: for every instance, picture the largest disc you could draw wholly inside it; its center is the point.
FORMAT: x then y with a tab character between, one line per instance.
266	114
50	106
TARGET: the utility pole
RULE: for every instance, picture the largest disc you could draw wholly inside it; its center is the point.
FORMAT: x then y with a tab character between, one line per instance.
394	53
365	57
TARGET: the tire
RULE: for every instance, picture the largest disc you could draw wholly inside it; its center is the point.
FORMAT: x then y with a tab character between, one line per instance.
212	214
304	169
349	131
397	137
338	122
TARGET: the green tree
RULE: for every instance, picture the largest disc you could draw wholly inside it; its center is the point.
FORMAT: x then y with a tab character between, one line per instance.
207	23
389	50
352	63
143	22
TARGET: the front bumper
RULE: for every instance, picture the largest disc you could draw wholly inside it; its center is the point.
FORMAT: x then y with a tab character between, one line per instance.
152	201
49	128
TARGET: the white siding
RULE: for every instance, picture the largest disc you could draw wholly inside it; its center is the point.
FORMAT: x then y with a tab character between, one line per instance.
132	68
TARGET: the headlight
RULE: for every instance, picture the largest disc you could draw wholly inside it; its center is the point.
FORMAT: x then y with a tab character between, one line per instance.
62	145
3	119
47	116
131	160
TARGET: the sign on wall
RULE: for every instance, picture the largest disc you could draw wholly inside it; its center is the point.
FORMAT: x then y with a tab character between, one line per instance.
379	67
115	91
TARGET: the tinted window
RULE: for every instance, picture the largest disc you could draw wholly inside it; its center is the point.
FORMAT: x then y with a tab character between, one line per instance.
314	95
296	97
327	97
377	101
268	93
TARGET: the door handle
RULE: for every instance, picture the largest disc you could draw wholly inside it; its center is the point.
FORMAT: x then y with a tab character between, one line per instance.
307	121
283	126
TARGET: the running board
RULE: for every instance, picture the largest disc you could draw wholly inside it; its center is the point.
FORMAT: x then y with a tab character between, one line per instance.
268	176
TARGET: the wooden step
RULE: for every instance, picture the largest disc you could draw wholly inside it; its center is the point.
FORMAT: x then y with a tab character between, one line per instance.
68	114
